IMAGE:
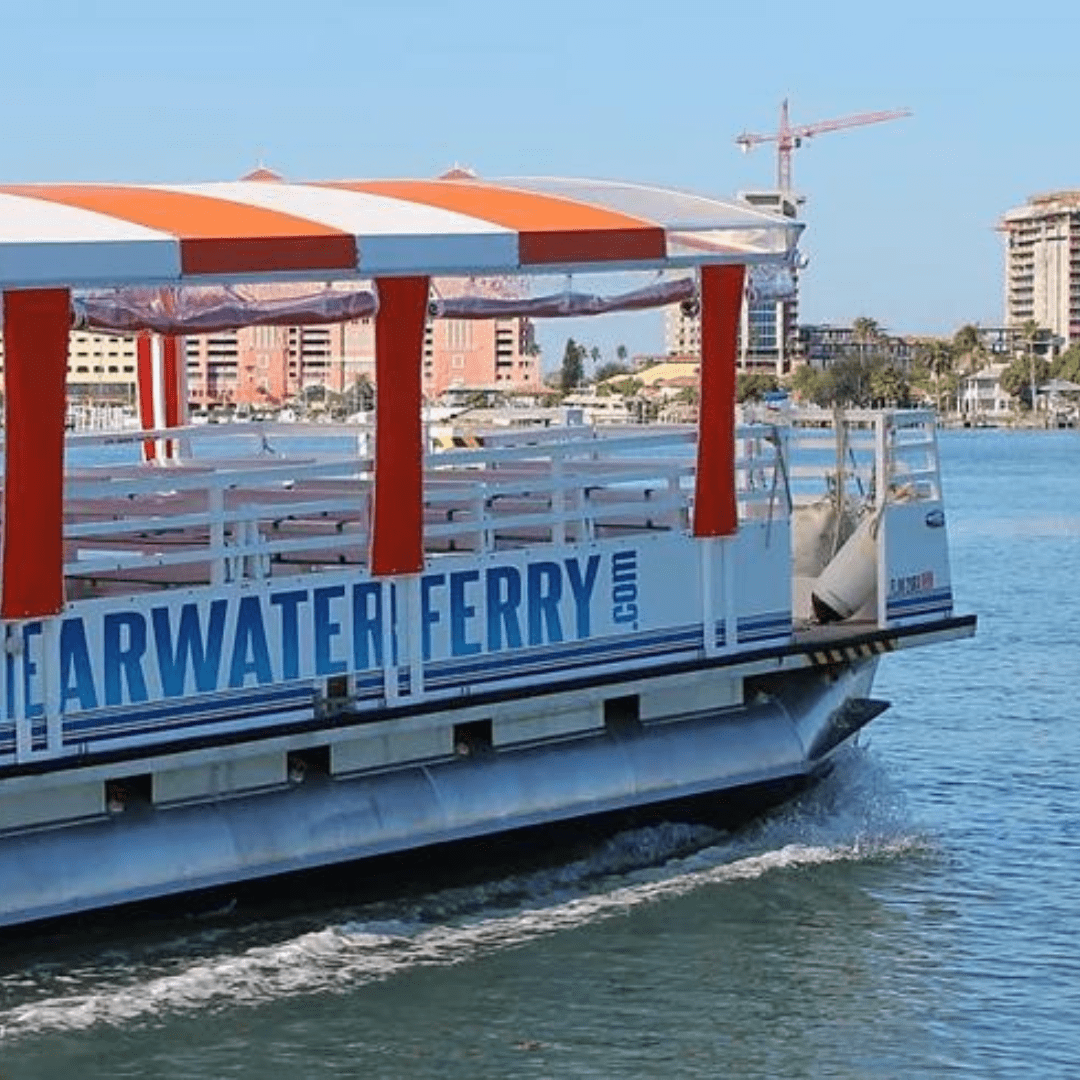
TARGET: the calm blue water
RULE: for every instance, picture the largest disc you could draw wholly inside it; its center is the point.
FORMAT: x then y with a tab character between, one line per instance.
916	915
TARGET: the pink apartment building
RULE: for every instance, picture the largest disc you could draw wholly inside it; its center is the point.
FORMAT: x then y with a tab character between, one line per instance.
268	365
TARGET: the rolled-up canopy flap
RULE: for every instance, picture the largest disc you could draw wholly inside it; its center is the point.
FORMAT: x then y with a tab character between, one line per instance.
565	304
211	309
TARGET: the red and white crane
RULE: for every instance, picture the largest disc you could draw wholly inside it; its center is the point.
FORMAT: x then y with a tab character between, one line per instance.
789	137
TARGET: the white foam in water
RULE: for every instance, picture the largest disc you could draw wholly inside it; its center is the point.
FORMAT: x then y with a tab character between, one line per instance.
851	816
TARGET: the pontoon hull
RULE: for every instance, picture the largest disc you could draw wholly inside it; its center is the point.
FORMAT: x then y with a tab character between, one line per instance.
147	852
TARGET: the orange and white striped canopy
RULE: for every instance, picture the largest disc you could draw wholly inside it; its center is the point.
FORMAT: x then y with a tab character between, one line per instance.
91	235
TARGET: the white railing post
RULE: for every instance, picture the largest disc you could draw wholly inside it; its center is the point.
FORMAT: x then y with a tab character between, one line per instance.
485	536
674	514
731	614
215	505
15	674
881	496
558	497
50	683
391	689
706	545
414	646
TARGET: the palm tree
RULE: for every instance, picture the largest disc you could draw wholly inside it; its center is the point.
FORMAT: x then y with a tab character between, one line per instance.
968	346
1031	332
865	331
940	358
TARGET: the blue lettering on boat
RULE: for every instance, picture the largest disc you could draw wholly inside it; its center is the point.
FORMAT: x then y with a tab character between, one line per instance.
130	656
624	587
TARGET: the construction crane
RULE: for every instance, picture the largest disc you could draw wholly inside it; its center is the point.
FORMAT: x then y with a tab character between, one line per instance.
789	138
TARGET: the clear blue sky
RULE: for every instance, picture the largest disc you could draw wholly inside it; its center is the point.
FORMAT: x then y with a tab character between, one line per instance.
900	215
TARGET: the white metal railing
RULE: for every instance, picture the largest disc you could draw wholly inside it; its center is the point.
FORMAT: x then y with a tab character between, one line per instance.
844	450
220	520
842	455
291	508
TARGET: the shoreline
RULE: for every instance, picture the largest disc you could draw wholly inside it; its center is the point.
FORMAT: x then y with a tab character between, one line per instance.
1009	423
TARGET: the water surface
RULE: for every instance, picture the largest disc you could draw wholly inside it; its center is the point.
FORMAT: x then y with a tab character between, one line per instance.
915	915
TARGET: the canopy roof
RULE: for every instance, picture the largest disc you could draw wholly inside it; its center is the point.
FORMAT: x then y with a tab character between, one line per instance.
87	235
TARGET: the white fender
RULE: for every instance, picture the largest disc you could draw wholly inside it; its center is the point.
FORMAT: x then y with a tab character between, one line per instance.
850	580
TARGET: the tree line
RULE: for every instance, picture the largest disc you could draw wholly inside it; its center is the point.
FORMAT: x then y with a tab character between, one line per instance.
871	376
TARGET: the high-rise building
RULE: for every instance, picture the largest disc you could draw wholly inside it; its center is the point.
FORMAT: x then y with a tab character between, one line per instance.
1042	264
266	365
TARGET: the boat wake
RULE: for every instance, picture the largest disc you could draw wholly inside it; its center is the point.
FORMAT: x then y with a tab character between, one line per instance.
855	815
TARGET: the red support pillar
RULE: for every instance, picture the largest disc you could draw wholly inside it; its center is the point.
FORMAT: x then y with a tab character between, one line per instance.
397	539
36	325
715	509
144	381
174	378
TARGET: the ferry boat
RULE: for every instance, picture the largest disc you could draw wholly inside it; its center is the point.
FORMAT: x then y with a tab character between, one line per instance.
235	653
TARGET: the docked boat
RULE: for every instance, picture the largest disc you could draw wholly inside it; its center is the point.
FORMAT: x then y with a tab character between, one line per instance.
233	653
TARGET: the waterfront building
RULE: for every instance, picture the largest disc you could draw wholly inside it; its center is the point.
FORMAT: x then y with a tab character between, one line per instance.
1042	264
464	356
980	394
822	345
267	365
1012	341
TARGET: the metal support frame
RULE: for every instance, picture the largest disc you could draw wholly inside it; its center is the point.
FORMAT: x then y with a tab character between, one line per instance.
715	510
397	543
36	323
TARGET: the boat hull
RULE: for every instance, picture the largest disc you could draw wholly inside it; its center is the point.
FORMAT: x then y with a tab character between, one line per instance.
781	735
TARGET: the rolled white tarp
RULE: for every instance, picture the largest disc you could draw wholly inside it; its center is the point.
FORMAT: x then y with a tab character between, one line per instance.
210	309
768	282
564	304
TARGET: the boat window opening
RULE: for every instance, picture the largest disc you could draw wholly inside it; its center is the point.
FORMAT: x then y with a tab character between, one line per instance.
125	792
337	687
303	765
622	713
472	738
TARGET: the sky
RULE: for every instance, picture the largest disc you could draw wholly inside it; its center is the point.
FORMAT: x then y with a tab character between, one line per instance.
900	215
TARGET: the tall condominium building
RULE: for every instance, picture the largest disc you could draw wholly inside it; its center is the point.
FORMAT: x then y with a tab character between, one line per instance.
1042	264
768	329
480	354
